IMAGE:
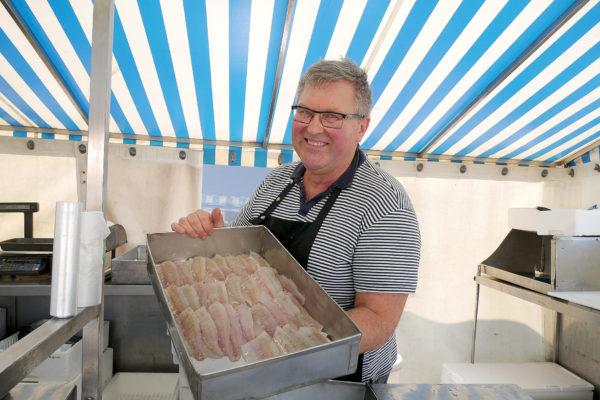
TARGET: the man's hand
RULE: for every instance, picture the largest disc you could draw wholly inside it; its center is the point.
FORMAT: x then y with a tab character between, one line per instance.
199	224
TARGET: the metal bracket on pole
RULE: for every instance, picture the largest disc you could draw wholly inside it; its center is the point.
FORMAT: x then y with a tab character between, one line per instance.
97	151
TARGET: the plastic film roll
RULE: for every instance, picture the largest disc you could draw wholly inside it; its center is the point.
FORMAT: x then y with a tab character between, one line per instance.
65	259
91	258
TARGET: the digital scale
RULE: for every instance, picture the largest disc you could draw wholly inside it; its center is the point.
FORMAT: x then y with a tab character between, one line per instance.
27	256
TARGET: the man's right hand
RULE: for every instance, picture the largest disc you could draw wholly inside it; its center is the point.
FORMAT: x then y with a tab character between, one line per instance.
199	224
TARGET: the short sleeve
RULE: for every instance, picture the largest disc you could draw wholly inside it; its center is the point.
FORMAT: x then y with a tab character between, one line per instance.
387	254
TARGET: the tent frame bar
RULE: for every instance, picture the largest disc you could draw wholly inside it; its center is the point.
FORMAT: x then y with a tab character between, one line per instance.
279	72
12	11
544	36
223	143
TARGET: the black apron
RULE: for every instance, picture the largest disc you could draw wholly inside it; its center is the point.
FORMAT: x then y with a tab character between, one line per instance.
298	237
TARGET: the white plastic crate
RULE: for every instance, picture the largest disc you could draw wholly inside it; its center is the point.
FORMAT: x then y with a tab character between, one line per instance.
141	386
61	366
107	371
542	381
9	341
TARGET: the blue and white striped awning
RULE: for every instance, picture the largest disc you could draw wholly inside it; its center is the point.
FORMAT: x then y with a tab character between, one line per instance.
496	80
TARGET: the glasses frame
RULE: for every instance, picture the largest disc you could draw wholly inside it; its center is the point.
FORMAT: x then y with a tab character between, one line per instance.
320	113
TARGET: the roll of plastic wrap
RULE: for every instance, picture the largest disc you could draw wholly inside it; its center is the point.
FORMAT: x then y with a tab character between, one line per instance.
91	258
65	259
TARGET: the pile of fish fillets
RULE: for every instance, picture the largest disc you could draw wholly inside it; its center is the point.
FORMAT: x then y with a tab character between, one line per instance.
237	307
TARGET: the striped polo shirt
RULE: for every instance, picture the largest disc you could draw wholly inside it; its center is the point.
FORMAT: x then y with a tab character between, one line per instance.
368	242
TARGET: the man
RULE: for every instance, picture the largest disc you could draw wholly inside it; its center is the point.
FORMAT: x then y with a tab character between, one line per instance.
347	222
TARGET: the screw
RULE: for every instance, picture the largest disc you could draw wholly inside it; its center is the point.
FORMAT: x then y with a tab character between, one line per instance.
544	173
132	151
377	163
463	169
504	171
182	155
597	167
82	148
420	167
571	172
30	145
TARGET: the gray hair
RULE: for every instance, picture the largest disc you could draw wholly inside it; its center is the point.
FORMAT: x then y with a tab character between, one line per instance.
328	71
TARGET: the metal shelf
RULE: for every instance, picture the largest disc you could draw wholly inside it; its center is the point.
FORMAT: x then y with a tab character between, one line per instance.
564	307
453	391
43	391
39	289
22	357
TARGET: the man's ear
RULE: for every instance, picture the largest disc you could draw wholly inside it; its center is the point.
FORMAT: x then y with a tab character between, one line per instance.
364	125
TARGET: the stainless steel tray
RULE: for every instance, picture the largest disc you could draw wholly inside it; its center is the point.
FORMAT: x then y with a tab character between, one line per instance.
130	268
272	376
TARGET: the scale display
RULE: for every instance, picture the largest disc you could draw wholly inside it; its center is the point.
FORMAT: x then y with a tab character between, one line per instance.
25	264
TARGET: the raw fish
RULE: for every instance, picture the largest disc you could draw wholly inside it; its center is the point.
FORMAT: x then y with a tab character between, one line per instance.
219	315
199	269
246	321
208	328
290	287
263	318
260	348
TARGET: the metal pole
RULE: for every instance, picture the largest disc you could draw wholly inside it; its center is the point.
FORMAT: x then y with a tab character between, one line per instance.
102	44
282	50
474	337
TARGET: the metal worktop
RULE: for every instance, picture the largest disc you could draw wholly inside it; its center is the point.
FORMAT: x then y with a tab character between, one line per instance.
454	392
43	289
42	391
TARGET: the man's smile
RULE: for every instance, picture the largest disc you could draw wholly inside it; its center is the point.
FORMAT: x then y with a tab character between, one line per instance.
315	143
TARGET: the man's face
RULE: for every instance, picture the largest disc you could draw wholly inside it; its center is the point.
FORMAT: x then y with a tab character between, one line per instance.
328	151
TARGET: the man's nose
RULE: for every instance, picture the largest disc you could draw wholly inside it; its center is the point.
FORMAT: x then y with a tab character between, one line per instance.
315	124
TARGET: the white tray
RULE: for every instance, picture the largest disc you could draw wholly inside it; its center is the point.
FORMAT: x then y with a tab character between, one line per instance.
559	222
141	386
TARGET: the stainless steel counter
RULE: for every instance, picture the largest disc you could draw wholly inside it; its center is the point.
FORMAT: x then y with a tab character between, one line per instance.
454	392
43	289
42	391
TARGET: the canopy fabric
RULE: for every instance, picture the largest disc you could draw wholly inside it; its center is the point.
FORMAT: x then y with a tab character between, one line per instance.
477	80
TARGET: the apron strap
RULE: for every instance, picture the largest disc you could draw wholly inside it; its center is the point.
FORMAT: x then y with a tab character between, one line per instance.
325	210
275	202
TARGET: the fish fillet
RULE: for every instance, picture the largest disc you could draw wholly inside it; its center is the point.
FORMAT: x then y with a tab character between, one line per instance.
219	315
260	348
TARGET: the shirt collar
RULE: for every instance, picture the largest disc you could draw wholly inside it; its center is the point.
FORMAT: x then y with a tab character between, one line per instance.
344	180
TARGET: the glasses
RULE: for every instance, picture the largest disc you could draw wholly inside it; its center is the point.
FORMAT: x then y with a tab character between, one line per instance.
328	119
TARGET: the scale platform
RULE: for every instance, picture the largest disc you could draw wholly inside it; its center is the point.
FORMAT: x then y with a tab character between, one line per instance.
25	263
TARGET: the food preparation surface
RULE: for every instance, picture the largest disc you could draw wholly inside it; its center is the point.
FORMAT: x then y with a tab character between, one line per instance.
42	391
454	392
584	298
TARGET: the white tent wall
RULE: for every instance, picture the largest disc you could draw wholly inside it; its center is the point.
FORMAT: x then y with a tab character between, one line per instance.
145	193
42	179
581	191
463	218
